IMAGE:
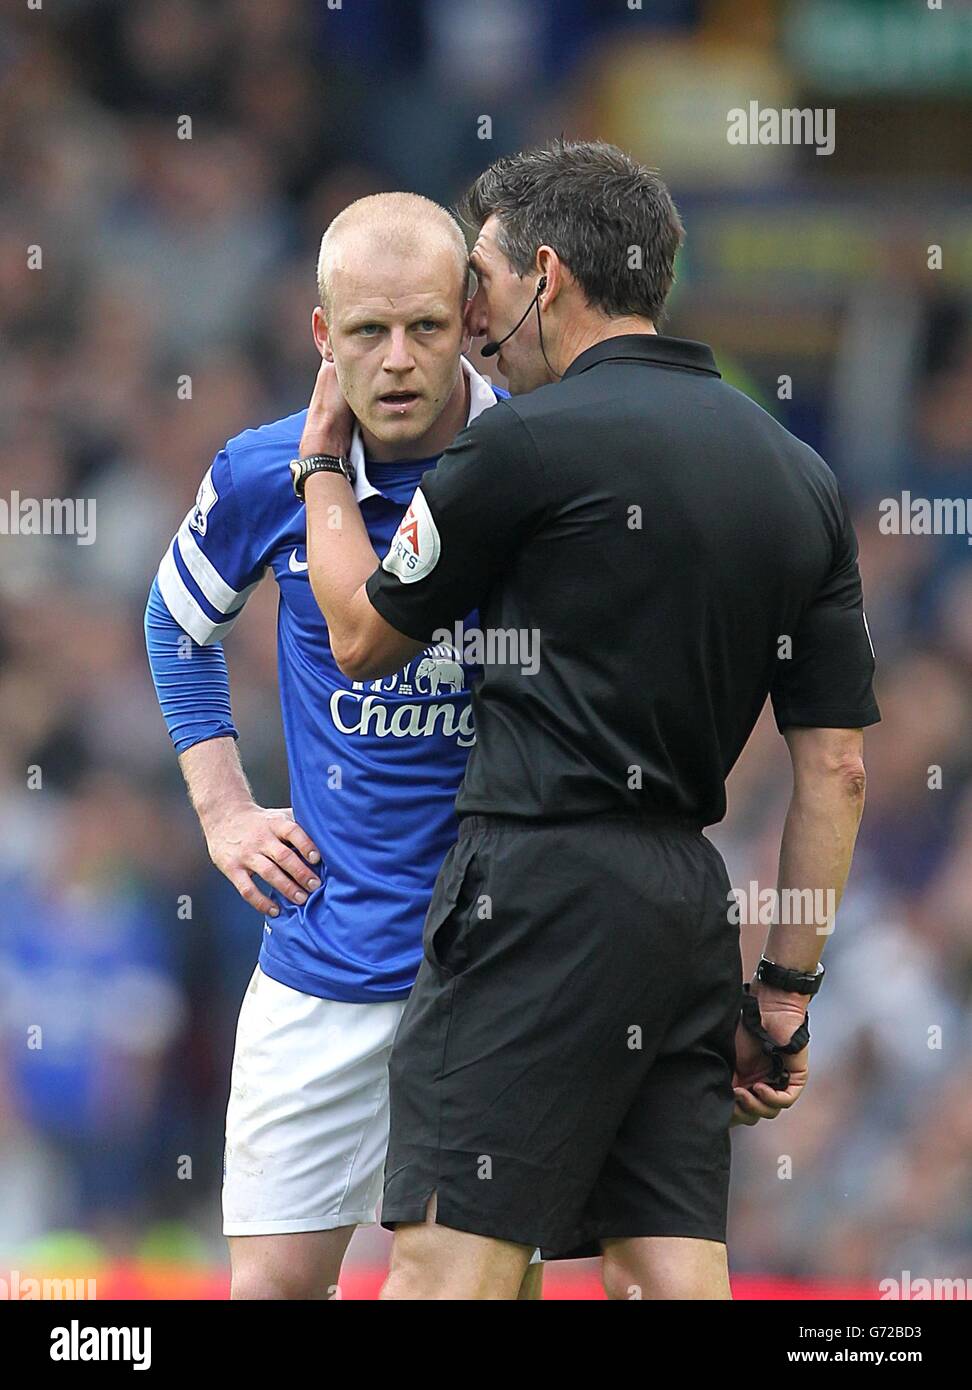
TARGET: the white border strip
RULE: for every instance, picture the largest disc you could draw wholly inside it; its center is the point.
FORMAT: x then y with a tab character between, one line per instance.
211	583
184	607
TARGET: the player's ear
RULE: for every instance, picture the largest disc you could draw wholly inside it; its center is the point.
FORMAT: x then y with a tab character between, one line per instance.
322	340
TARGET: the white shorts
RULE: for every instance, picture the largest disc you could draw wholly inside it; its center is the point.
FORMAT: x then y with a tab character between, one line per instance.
307	1120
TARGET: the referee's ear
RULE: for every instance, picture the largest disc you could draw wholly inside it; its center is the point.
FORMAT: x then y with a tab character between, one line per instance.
551	272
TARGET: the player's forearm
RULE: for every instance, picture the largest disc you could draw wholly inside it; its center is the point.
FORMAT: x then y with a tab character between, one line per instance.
815	858
215	779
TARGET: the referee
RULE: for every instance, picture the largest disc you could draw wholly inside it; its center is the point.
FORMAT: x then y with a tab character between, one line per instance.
578	1042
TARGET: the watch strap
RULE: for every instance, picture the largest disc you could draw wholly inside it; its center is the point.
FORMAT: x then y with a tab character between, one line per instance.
302	468
792	981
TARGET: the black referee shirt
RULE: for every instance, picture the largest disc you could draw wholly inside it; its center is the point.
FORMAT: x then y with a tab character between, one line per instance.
672	554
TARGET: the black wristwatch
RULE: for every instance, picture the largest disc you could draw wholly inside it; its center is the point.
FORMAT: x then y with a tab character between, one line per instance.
301	469
792	981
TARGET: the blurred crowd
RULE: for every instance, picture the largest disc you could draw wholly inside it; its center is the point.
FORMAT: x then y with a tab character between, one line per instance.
155	298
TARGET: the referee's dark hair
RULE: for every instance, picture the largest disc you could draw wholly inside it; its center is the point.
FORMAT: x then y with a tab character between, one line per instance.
610	219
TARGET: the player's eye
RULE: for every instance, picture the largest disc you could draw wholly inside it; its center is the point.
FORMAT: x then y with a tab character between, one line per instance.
427	325
368	330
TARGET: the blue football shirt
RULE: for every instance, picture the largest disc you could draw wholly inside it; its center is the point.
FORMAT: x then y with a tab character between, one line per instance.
374	766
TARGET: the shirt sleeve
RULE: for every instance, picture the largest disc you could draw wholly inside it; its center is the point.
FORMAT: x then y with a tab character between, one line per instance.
191	681
214	562
826	680
463	524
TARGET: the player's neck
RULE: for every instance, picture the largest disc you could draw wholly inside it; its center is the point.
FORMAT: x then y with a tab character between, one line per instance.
435	441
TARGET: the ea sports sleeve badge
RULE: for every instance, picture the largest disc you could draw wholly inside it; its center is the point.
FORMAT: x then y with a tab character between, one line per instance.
415	546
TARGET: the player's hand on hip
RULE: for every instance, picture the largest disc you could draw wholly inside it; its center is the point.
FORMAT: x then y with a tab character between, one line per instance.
329	423
755	1099
254	840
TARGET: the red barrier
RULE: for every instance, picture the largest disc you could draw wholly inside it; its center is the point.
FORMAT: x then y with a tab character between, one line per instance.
162	1281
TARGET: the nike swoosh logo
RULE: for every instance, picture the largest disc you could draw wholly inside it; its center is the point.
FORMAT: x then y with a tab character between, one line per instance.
295	566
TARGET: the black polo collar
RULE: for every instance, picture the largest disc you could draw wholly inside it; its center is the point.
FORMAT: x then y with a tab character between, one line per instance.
647	347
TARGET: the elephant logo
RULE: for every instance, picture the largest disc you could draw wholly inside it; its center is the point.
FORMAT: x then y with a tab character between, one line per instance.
439	669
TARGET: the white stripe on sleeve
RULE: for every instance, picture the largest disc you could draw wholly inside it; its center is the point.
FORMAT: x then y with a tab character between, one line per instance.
211	583
184	607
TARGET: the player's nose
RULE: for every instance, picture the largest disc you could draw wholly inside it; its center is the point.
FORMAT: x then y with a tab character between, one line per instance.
398	356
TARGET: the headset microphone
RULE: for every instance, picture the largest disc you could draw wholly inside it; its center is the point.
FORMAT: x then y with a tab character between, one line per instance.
491	349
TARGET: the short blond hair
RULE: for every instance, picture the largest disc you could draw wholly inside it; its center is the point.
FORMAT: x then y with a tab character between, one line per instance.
401	222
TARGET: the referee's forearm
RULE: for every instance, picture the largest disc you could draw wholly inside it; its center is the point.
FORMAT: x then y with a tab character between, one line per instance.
340	557
815	858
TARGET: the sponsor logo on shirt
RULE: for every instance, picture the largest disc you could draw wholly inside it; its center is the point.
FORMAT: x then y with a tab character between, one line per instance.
366	709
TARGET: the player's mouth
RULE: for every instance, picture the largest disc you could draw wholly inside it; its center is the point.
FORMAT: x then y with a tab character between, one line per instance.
399	402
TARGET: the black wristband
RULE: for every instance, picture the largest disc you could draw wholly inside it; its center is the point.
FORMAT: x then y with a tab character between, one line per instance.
791	981
301	469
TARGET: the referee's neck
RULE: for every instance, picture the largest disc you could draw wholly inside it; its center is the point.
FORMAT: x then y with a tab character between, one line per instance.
595	328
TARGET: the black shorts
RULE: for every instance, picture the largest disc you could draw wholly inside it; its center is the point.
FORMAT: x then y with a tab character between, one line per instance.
562	1072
